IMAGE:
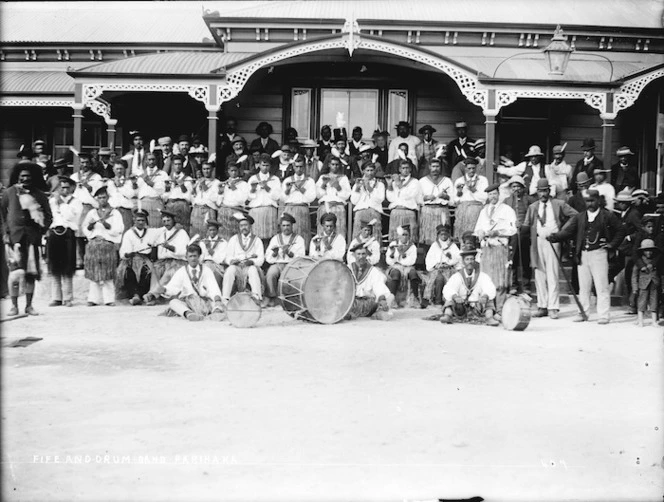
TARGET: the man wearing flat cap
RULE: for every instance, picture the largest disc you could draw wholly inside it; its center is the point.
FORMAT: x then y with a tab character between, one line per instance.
428	146
135	268
588	163
371	294
404	136
282	249
624	174
264	142
245	256
597	232
459	148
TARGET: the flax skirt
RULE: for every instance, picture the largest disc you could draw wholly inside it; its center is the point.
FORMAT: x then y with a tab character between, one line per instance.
101	260
229	225
368	215
153	206
266	223
431	216
198	223
127	217
302	221
182	211
494	262
465	217
399	217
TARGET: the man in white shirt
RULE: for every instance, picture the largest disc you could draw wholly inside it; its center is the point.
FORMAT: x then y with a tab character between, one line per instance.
87	182
147	190
469	292
404	136
606	190
470	195
437	190
177	195
371	293
213	248
244	256
405	197
559	172
367	198
120	193
333	191
204	194
264	198
197	292
135	268
401	257
366	238
135	157
442	260
61	242
282	249
298	191
232	196
328	243
495	226
103	228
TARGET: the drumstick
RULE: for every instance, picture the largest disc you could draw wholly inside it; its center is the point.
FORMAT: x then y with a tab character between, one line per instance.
569	284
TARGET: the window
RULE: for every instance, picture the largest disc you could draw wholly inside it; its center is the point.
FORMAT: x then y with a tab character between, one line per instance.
301	111
63	138
397	107
352	107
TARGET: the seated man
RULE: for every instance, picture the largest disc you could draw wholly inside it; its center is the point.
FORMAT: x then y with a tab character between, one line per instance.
135	269
401	256
282	249
368	240
469	290
371	293
197	293
328	244
214	251
442	260
171	242
244	255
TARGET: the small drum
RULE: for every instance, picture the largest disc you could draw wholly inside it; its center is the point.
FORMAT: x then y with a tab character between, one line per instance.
242	311
317	291
516	313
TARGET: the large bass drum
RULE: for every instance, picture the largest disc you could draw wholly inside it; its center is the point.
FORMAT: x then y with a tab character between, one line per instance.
516	314
317	291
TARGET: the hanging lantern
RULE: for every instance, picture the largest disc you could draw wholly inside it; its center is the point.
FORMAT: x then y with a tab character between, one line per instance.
558	52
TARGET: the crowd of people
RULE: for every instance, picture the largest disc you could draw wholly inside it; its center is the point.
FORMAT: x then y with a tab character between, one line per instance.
417	221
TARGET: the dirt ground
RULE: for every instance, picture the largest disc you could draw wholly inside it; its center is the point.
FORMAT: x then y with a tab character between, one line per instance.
121	404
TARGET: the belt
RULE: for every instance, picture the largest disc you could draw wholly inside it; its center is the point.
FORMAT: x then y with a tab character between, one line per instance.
292	204
405	208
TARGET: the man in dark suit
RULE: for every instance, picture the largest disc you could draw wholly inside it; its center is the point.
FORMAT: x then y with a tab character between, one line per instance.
623	259
325	142
135	157
460	148
226	141
624	173
26	215
588	163
264	142
165	154
597	232
104	165
190	166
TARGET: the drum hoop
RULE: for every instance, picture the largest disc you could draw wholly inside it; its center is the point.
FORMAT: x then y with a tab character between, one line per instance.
350	306
259	311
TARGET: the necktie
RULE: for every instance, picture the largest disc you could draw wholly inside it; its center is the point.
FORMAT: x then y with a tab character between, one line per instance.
469	282
541	173
543	213
194	276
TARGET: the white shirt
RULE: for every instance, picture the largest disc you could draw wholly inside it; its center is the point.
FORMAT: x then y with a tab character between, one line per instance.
371	284
113	234
234	198
120	196
277	242
430	188
559	175
364	199
413	144
330	193
456	285
306	196
181	285
515	170
67	213
158	178
407	259
252	250
550	226
176	237
408	196
442	253
372	246
137	241
262	197
479	195
500	218
205	192
336	252
607	190
177	191
592	215
216	251
82	193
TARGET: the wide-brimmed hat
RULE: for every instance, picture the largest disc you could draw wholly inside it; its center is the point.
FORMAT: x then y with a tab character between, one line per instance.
625	195
461	125
468	250
104	150
198	150
426	128
309	143
648	245
588	144
517	179
599	169
534	151
624	150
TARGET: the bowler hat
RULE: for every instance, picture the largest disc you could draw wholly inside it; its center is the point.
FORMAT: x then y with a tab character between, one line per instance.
588	144
184	137
543	184
582	178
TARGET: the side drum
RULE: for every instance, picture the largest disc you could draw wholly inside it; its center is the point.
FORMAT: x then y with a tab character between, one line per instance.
317	291
516	314
242	311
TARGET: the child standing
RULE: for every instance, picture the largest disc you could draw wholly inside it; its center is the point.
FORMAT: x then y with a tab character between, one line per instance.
647	280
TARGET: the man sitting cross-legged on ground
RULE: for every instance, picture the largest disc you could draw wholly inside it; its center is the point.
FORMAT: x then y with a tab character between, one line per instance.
283	248
196	291
135	269
244	255
371	293
401	257
469	290
442	260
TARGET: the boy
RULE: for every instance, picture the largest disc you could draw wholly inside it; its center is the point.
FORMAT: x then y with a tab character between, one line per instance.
646	278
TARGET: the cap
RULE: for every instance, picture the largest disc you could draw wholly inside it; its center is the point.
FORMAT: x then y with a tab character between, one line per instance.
140	213
443	227
288	217
166	212
243	217
102	190
468	250
213	223
492	187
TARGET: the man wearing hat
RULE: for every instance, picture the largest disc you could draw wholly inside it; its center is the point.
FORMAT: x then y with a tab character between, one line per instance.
178	192
87	182
401	256
442	260
469	197
519	201
647	279
495	226
356	141
226	138
165	153
135	268
264	197
623	173
233	193
362	159
328	243
135	157
367	198
588	163
368	239
642	201
393	167
61	242
404	136
264	142
190	166
297	193
283	248
103	228
469	291
341	152
238	156
104	165
544	218
312	163
605	189
244	256
623	258
404	195
53	182
171	242
437	192
282	166
380	152
559	172
204	194
371	293
459	148
213	247
325	142
428	147
333	191
597	231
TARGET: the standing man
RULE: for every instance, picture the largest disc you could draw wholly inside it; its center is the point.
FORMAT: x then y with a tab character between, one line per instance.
427	149
367	198
178	192
312	164
120	193
459	149
437	192
166	157
470	195
404	194
495	226
105	165
544	218
520	201
244	256
559	172
203	207
87	182
404	136
606	191
135	268
380	153
298	191
135	157
325	142
623	173
355	141
61	243
26	214
597	231
283	248
264	198
588	163
333	191
371	293
148	189
264	142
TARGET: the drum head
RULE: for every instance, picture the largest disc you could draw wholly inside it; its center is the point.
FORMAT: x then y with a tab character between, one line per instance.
515	314
329	291
242	311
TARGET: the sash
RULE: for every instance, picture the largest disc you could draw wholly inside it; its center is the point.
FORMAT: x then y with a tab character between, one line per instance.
251	242
355	269
195	285
472	285
443	251
329	240
169	239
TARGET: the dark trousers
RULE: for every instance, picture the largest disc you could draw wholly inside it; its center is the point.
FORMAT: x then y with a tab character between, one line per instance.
520	245
394	279
138	286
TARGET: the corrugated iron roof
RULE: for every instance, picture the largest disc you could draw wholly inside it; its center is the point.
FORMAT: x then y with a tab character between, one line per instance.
169	63
36	82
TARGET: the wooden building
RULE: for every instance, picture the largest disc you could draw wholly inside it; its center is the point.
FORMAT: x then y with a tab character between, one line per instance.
84	74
